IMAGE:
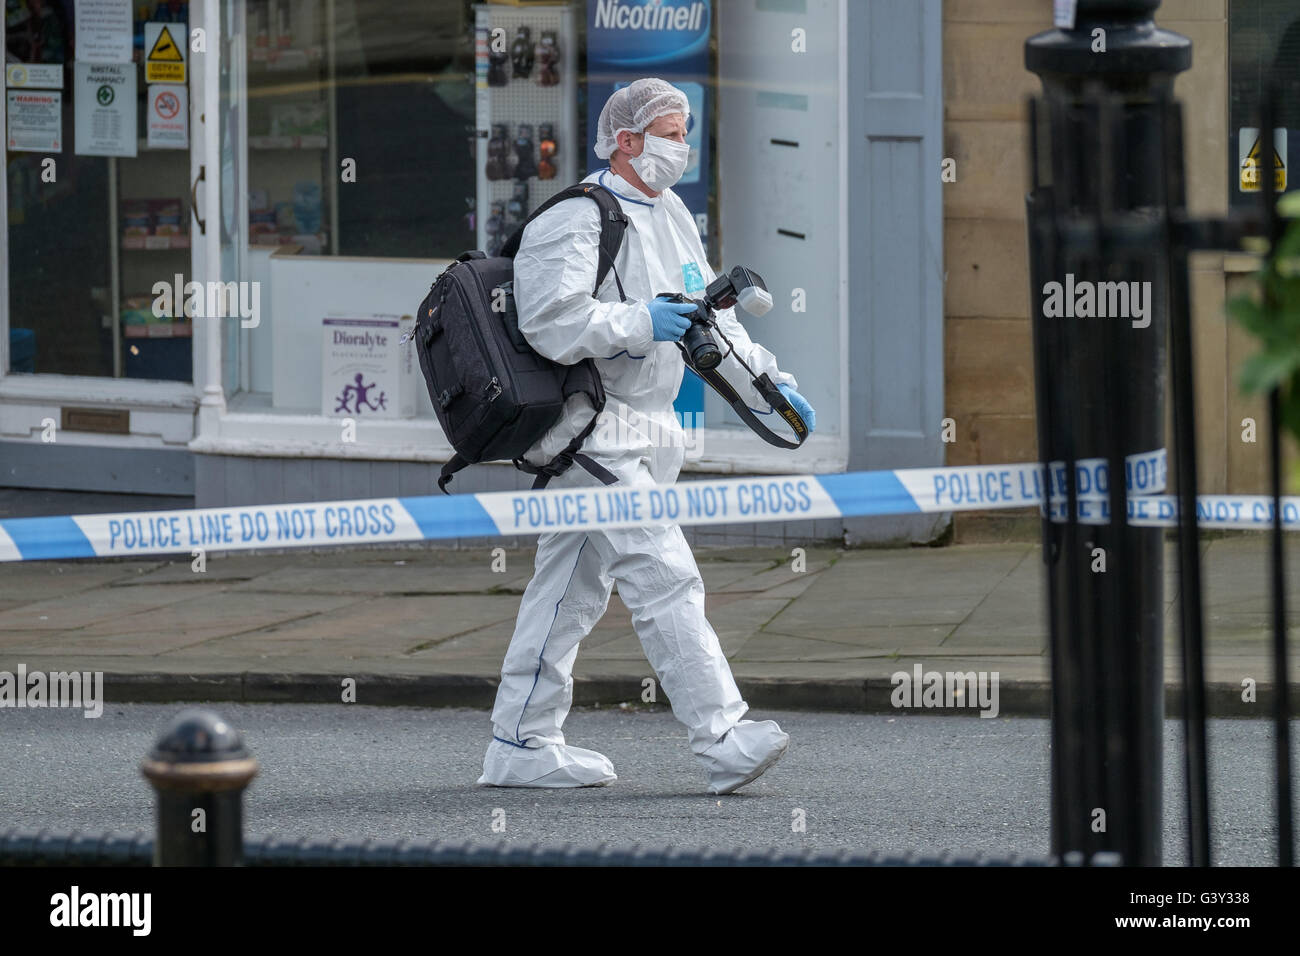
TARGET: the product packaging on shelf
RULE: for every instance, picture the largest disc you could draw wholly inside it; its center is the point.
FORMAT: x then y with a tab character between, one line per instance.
140	321
521	53
546	149
298	119
364	372
525	166
136	220
154	224
307	205
167	217
548	59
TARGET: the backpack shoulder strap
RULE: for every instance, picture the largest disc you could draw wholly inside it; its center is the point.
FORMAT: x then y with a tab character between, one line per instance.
613	223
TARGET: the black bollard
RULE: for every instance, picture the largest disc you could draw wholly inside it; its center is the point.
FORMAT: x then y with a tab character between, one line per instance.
199	768
1096	215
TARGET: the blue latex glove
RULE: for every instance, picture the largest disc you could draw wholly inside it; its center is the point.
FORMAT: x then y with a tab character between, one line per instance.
800	405
669	319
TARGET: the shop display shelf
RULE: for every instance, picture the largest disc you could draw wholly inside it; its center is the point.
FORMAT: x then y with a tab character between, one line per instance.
286	59
158	330
312	244
155	243
307	141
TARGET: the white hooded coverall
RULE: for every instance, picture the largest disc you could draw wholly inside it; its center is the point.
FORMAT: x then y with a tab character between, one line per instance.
637	438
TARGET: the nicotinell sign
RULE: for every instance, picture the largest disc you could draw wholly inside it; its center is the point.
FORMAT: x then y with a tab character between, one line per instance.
651	31
669	39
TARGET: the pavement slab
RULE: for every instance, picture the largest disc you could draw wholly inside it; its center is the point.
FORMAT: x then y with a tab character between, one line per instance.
377	626
32	580
403	579
489	642
99	607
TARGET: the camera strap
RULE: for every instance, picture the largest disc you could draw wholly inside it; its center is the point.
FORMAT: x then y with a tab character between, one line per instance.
766	387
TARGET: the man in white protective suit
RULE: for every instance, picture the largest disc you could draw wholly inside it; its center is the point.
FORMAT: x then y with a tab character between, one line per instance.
639	441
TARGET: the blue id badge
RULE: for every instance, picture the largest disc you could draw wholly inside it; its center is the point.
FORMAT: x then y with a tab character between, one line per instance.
692	279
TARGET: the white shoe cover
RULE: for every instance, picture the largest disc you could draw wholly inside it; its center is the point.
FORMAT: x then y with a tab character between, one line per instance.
554	765
742	756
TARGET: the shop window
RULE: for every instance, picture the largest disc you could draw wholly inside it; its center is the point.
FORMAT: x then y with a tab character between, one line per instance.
363	122
98	204
361	126
1263	43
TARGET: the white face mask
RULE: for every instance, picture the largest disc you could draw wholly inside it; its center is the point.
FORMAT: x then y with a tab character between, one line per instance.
661	163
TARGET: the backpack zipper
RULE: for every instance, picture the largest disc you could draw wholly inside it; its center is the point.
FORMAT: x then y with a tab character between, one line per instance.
479	335
473	326
422	321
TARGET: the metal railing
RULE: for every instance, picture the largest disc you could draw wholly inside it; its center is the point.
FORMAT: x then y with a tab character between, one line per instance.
46	848
1107	201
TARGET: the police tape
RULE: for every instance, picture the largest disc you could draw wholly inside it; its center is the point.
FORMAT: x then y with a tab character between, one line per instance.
1227	512
724	501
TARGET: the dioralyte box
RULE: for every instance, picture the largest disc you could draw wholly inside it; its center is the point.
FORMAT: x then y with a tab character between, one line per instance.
365	372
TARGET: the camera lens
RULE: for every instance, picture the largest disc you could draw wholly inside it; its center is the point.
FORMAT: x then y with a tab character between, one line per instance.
701	348
707	357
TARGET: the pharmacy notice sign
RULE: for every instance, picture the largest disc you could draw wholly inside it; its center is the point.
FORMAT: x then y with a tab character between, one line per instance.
35	121
105	109
103	31
48	76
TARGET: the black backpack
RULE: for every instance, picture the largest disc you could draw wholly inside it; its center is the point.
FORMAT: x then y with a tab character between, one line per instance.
493	394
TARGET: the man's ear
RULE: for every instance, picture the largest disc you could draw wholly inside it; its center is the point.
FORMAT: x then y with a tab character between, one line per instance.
626	142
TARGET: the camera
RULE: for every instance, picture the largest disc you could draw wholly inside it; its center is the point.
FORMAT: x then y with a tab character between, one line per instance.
740	286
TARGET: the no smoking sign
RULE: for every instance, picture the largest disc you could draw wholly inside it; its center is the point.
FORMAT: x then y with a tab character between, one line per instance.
167	104
168	124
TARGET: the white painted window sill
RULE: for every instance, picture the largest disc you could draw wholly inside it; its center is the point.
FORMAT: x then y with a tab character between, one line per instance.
266	434
92	390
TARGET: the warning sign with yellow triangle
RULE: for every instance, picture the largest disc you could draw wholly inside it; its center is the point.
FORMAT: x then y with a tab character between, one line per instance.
1251	160
165	61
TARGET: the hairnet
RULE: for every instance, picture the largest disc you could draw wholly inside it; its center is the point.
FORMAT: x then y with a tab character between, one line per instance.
633	108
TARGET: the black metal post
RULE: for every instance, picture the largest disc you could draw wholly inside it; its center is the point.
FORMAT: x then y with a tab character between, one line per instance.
1183	394
1274	228
199	769
1098	182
